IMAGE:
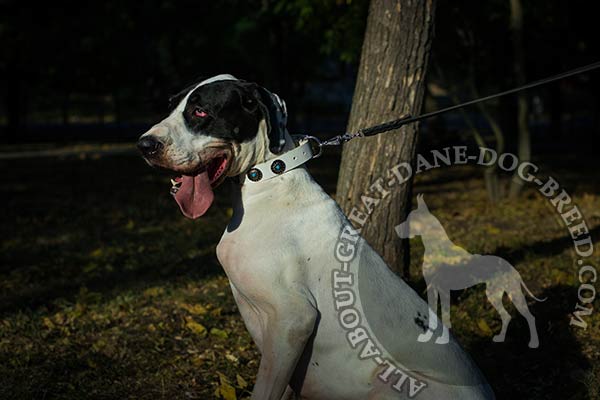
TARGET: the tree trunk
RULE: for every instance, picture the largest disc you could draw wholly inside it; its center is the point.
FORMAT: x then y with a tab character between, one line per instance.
390	84
524	140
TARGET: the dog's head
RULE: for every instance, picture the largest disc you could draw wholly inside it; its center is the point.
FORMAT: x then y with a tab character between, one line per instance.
417	222
219	127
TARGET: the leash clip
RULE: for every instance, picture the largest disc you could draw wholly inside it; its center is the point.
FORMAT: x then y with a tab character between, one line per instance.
340	139
308	138
333	141
317	142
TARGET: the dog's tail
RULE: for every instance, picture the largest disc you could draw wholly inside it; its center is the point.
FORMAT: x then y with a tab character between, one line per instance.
531	294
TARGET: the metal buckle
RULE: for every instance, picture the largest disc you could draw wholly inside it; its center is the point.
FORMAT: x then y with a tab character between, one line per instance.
319	144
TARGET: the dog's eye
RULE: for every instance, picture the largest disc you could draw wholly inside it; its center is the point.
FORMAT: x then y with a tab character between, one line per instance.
200	113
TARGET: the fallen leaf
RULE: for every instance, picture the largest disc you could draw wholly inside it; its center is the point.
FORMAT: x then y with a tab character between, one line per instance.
231	358
96	253
485	328
48	323
225	390
241	382
218	333
197	328
196	309
90	267
154	291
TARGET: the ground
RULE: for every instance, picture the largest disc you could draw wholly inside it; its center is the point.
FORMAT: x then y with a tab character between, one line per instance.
107	292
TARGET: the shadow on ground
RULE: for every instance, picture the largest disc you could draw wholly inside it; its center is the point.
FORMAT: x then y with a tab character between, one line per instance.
514	370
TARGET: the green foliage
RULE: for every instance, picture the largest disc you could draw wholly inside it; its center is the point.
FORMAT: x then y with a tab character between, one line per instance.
133	56
339	23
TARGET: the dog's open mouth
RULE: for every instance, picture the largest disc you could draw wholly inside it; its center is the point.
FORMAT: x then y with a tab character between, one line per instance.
194	192
216	169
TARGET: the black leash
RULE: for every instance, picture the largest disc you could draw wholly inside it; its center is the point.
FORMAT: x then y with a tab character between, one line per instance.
395	124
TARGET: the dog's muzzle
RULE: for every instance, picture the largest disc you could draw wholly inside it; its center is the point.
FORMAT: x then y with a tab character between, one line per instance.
150	146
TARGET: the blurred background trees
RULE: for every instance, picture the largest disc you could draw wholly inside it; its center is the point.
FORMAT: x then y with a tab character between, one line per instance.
115	63
498	45
78	71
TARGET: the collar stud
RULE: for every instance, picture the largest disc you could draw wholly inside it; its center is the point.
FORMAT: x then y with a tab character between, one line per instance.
254	175
278	167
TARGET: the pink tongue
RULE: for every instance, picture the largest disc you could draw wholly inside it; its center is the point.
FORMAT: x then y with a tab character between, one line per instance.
194	195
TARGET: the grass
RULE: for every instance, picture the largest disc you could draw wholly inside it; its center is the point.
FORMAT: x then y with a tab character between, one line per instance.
107	292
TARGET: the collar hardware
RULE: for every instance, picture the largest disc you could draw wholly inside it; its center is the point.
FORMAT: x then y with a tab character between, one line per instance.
283	163
278	167
254	175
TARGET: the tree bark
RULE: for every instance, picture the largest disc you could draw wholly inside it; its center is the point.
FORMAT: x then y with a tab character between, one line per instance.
390	84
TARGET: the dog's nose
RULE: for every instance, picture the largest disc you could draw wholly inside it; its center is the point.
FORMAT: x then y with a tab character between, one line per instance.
149	145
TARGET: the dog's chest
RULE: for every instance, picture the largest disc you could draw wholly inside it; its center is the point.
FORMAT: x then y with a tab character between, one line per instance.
258	252
237	255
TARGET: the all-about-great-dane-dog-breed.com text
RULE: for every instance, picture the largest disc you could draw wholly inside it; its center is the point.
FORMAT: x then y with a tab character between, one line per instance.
278	253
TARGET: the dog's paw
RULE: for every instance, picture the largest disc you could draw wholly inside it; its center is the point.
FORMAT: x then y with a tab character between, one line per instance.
534	344
498	338
442	340
425	337
445	338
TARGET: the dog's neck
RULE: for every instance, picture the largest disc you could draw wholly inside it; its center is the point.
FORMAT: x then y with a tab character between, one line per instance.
256	151
294	190
438	245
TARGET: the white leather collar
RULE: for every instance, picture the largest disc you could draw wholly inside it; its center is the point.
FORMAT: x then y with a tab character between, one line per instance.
280	165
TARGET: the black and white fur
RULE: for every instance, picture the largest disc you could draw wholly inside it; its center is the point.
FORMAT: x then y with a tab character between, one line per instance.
278	253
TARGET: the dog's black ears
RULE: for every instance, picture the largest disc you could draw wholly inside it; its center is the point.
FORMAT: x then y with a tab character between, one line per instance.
275	113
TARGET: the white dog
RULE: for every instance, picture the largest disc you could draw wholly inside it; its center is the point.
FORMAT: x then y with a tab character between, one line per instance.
278	252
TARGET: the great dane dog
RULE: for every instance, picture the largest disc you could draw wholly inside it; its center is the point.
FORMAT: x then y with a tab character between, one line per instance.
448	267
278	253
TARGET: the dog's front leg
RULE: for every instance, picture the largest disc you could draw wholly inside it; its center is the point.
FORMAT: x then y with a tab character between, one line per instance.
444	296
432	300
287	330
